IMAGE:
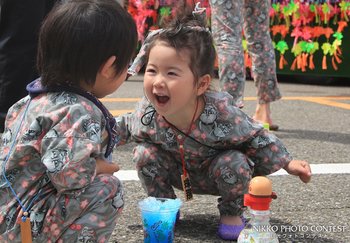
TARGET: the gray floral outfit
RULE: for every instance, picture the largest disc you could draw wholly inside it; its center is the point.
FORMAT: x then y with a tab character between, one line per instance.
224	149
52	170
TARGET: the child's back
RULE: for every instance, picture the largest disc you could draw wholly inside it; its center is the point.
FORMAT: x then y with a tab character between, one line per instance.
57	139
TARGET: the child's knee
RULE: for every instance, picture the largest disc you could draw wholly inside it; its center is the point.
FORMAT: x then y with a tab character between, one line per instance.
151	160
143	153
153	164
231	158
232	167
110	188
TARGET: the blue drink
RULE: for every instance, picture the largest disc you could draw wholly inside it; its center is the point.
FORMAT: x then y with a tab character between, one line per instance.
158	216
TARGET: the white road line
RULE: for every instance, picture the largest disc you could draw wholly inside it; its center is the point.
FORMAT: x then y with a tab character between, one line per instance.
317	169
127	175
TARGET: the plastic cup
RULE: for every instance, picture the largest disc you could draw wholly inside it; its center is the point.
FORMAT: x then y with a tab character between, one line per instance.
159	216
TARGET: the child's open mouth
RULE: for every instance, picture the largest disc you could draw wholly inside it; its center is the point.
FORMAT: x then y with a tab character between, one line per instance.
162	99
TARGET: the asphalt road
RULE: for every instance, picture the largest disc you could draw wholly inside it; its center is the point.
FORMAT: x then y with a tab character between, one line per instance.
314	124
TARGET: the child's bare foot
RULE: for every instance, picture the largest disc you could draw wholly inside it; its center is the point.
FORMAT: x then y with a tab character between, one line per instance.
263	115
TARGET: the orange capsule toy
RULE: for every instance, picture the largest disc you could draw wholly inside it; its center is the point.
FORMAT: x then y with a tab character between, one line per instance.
259	194
258	201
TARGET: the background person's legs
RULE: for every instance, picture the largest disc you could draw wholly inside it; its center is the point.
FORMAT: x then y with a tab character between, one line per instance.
259	43
227	25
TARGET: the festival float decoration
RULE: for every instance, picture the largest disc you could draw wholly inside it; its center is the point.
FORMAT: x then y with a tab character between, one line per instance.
301	29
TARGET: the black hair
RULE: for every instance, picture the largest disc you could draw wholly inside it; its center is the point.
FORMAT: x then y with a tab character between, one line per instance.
188	32
78	36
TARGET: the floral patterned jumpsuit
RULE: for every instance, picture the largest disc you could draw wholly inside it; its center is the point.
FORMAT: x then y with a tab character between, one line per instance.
224	149
52	171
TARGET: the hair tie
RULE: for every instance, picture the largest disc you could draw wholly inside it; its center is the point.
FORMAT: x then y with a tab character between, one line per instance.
197	28
198	10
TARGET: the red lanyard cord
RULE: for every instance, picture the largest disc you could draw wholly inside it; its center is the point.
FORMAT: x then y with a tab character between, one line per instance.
181	140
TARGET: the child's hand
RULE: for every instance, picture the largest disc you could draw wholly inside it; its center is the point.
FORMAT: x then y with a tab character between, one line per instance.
105	167
299	168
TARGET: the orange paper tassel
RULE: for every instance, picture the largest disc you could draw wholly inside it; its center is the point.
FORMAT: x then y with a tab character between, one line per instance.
324	63
299	61
341	26
311	62
328	32
294	64
282	62
304	62
334	64
337	58
339	52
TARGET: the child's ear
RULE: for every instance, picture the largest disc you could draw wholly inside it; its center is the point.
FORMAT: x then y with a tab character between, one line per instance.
107	70
203	84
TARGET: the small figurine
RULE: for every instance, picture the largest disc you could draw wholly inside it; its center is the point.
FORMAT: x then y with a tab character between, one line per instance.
258	202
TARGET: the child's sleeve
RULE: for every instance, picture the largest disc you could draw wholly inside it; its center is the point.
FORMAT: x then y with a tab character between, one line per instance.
262	148
140	59
123	128
267	152
132	127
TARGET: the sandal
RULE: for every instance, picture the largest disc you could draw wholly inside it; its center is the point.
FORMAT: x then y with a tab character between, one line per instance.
273	127
231	232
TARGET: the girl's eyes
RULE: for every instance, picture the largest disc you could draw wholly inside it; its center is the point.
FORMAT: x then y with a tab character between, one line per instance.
153	71
150	70
172	73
